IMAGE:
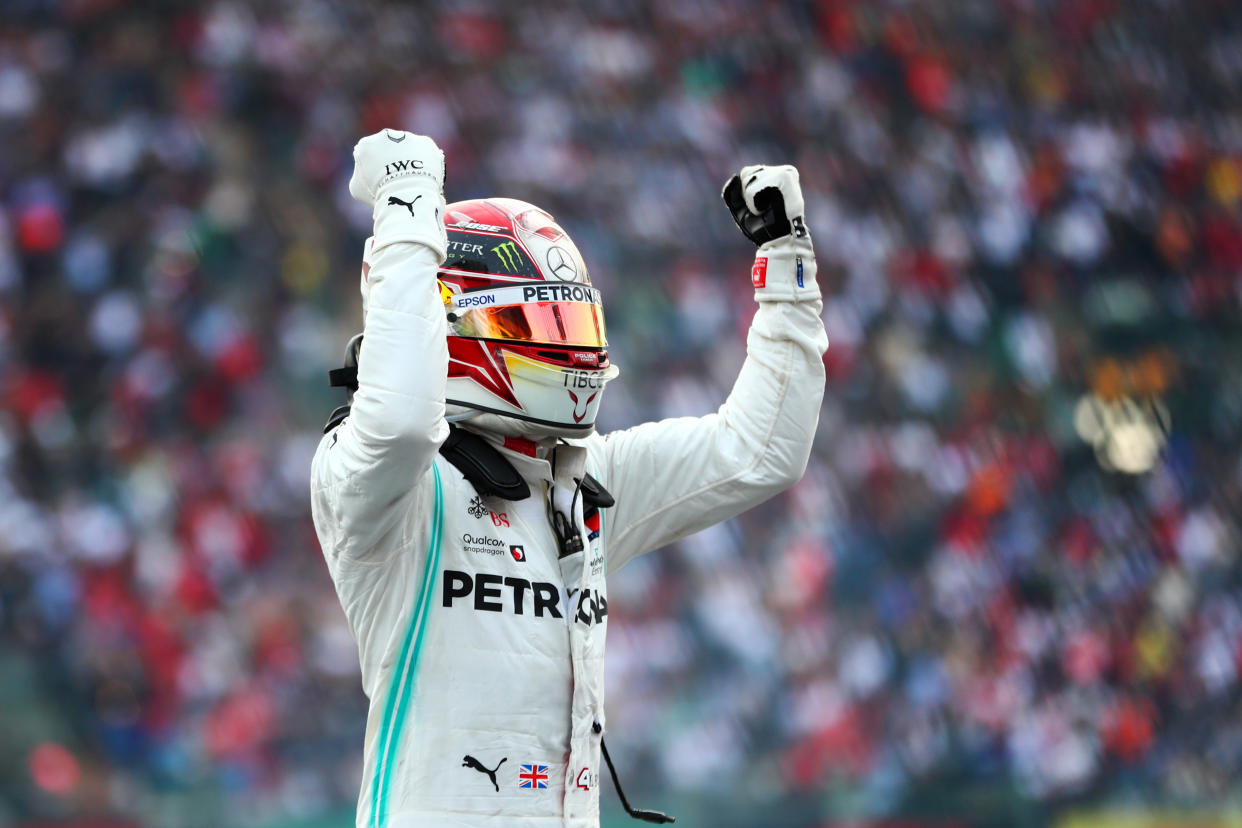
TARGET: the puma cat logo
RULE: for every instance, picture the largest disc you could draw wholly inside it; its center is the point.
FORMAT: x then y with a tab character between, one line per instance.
409	205
471	762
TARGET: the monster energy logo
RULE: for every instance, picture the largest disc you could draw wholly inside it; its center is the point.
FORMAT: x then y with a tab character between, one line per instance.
508	255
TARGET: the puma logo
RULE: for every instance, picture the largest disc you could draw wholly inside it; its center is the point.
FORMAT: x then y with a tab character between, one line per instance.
409	205
471	762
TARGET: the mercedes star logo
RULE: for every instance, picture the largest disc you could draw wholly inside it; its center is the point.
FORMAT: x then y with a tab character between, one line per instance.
561	264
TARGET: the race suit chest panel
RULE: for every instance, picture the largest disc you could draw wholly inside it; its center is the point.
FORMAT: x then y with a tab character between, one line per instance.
504	563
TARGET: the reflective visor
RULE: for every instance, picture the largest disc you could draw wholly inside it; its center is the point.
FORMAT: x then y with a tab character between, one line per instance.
543	313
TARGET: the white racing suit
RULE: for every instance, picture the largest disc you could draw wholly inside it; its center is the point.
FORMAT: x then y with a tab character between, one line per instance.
482	651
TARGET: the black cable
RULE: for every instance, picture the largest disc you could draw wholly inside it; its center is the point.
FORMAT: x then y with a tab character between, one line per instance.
637	813
567	535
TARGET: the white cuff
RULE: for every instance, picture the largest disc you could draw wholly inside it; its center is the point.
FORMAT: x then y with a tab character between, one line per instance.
784	271
411	214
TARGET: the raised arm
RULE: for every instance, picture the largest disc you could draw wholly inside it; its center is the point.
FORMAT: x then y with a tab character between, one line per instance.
675	477
369	465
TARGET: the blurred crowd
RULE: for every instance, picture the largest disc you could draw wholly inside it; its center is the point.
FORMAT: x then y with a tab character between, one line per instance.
1022	210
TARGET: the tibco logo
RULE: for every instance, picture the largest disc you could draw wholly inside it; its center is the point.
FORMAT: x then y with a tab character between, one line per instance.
583	379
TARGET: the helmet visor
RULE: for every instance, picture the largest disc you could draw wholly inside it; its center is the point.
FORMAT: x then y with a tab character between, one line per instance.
547	314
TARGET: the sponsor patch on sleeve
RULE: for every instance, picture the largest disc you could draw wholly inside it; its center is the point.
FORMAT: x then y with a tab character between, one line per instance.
759	272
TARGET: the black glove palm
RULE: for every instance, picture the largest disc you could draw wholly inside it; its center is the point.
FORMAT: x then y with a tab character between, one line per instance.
770	223
766	202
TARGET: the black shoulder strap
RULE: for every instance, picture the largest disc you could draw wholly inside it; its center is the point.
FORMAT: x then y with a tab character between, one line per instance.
488	470
338	416
485	467
346	377
595	495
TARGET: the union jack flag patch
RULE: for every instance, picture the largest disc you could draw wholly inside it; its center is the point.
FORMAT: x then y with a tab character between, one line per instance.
591	522
533	777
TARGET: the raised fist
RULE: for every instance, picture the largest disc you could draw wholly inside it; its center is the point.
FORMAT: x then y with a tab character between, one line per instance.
766	202
400	175
392	162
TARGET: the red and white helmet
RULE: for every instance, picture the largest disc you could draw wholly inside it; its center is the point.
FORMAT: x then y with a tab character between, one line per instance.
526	338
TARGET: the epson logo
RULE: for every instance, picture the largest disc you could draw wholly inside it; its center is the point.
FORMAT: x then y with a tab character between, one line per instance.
469	301
560	293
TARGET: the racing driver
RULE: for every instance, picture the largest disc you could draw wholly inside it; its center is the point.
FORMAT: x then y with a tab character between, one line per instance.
467	510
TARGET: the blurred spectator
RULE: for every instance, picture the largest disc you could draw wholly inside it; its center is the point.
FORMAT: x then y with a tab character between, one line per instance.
1029	222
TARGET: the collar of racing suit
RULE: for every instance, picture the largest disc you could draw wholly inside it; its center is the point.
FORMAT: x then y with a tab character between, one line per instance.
531	458
561	468
569	492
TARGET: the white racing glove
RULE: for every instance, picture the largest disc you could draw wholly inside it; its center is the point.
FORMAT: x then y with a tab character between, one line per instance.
400	175
766	203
